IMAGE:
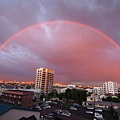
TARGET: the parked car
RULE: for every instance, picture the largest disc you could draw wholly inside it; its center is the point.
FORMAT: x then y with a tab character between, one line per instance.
98	115
49	116
90	112
76	105
54	102
98	110
90	108
38	107
48	101
58	111
47	107
65	114
73	108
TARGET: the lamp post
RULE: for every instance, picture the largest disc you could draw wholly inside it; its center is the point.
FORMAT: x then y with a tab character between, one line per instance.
119	112
43	111
43	108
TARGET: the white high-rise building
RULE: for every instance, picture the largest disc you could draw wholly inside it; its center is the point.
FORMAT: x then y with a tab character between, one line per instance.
110	87
44	80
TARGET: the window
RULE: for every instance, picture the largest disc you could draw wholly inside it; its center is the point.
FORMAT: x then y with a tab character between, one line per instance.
20	96
29	101
14	96
19	102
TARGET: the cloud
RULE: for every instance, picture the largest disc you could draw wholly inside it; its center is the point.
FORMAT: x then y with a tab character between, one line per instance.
76	53
102	15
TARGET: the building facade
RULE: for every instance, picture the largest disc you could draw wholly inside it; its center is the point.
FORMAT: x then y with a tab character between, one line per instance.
18	98
110	87
97	90
44	80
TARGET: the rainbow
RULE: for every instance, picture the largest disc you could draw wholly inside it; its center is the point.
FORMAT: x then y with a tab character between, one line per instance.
51	22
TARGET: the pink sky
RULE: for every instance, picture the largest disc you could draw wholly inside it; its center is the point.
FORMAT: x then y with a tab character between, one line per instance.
76	52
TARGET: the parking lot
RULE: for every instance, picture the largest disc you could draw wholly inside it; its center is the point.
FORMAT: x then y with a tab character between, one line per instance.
79	114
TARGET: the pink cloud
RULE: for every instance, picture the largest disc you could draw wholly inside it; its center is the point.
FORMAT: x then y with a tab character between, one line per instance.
75	52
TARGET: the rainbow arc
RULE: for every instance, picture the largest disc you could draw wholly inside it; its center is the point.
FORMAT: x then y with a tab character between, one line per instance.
52	22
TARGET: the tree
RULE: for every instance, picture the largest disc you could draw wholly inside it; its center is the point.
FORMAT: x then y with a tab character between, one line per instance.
52	94
61	96
119	97
67	94
109	99
76	95
115	100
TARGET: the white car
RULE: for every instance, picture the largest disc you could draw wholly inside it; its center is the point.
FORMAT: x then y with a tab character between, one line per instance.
58	111
54	102
48	101
49	116
47	107
73	108
98	115
98	110
90	108
90	112
38	107
65	114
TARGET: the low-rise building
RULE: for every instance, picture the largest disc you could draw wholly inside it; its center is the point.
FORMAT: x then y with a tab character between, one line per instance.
89	90
18	98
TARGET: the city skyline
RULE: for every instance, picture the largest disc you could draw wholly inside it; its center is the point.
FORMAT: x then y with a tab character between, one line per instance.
78	39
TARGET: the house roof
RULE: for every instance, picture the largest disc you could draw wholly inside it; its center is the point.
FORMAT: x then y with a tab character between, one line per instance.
4	108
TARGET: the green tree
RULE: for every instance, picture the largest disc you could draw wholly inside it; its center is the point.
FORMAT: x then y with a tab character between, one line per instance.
109	99
119	97
76	95
61	96
52	94
68	94
115	100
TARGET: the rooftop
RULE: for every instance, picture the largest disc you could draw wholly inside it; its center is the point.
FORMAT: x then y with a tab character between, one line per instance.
6	107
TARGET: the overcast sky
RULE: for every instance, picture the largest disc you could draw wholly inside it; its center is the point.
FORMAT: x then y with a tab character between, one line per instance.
79	39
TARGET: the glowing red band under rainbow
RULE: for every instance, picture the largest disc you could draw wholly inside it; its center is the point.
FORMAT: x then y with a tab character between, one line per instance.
51	22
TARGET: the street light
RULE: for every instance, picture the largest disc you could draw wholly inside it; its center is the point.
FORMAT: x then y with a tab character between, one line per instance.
119	112
43	108
43	116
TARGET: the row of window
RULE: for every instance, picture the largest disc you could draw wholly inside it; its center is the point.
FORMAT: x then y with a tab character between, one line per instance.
11	101
14	96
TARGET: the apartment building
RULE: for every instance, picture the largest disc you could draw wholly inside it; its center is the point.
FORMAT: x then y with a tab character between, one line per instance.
109	87
97	90
44	80
18	98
